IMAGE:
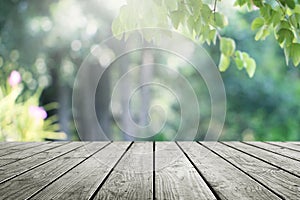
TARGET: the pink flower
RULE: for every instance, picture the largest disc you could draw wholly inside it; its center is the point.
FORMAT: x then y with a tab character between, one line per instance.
37	112
14	78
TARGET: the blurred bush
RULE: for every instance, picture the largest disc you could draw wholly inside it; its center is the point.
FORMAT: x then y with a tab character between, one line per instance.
21	119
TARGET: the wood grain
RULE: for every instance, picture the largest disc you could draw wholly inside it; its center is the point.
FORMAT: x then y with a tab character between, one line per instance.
287	164
15	150
286	152
175	176
132	177
25	185
5	145
14	169
280	182
18	148
82	181
32	151
288	145
125	170
225	179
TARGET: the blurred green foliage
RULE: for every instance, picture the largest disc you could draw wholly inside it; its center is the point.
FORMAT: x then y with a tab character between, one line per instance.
203	21
265	107
21	118
46	41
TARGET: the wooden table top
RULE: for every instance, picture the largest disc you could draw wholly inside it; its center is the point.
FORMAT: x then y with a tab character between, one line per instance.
148	170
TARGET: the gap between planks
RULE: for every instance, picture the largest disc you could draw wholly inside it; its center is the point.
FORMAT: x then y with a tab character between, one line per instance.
153	189
246	170
266	161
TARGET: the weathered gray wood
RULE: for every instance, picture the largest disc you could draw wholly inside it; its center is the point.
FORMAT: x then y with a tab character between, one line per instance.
28	183
175	176
288	145
82	181
32	151
26	145
287	152
7	161
14	169
41	155
132	177
78	170
295	143
279	181
15	150
284	163
225	179
5	145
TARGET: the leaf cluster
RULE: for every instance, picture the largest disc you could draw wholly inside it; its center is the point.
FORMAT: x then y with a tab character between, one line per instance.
203	22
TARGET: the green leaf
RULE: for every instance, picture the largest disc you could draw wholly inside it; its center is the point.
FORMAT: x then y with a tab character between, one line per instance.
245	56
295	53
239	60
283	2
213	36
290	3
257	23
227	46
285	36
171	5
188	8
240	2
284	24
297	8
250	66
276	17
196	5
295	20
219	20
257	3
224	63
198	26
287	54
204	33
262	33
205	13
265	12
176	17
117	29
190	24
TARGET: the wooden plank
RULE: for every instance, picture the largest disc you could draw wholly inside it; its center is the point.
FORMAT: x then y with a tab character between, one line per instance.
280	182
287	152
32	151
132	177
226	180
4	148
5	145
296	143
83	181
60	150
28	183
175	176
14	169
26	145
17	149
287	164
288	145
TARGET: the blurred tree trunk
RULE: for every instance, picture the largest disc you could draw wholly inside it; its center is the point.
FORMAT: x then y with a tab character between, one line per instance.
60	92
88	124
64	111
125	93
146	75
102	101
